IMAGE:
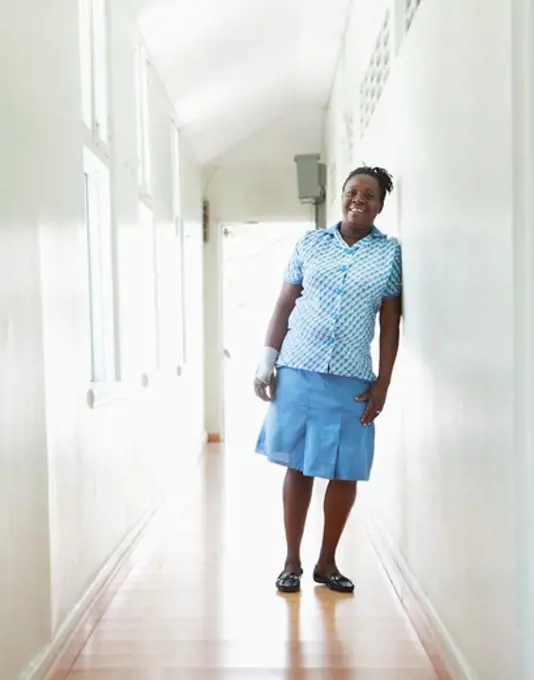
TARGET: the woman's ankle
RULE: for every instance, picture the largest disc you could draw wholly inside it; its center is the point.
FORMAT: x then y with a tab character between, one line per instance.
293	564
326	565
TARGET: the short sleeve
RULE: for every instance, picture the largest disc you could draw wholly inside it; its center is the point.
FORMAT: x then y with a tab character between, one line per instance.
394	284
294	273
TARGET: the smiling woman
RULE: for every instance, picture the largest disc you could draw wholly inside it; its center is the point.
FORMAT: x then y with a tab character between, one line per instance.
324	394
363	200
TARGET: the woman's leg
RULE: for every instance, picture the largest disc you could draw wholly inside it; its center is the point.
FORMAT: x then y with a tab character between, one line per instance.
338	501
297	494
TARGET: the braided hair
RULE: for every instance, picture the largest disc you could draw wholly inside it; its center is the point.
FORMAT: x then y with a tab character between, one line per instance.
384	179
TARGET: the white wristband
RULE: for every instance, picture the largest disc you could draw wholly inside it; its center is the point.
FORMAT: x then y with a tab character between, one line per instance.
266	364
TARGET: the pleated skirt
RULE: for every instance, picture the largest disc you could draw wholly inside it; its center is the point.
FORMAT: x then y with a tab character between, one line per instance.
314	426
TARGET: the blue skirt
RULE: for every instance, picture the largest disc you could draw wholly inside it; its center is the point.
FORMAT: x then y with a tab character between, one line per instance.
314	426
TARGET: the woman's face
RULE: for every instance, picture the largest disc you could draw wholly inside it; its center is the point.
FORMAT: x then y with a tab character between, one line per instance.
361	201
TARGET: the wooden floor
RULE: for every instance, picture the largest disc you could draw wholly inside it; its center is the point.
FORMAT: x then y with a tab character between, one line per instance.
200	602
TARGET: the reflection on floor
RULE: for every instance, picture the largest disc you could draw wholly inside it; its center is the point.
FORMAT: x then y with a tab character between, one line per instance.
200	603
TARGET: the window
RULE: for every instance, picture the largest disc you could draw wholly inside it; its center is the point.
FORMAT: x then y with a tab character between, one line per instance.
376	75
176	178
179	246
144	165
149	303
100	269
163	276
94	66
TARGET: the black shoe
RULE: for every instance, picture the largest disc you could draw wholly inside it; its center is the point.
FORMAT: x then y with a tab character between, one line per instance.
289	582
336	582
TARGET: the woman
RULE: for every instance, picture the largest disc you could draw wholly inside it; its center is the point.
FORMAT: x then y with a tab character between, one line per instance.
325	396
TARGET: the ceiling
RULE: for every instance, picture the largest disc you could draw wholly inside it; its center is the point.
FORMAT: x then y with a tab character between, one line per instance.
248	77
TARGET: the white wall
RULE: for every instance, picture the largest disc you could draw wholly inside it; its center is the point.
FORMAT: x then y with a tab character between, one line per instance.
74	482
24	567
254	193
445	478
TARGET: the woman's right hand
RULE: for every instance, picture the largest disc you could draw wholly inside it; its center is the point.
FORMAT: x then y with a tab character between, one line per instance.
264	381
265	390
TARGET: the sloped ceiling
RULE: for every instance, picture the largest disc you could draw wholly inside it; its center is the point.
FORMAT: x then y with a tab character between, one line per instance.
243	72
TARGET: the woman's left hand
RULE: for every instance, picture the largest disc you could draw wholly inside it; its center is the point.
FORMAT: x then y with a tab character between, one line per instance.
375	397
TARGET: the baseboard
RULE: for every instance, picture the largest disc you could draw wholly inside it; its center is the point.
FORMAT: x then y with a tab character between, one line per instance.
56	661
444	654
58	658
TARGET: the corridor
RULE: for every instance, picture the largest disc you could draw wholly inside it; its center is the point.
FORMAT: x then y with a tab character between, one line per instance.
199	602
160	161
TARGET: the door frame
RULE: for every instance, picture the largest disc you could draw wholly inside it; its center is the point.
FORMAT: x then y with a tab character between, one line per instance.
303	225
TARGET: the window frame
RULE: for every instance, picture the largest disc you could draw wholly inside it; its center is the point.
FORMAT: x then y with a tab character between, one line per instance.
100	264
94	27
169	367
151	312
143	121
178	219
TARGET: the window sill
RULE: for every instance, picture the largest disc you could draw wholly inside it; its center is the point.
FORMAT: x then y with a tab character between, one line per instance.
163	377
102	393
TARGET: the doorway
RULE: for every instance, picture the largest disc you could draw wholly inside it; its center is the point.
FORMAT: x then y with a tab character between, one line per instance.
254	257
